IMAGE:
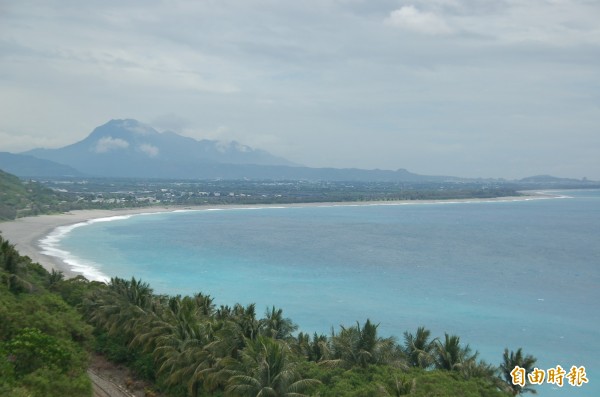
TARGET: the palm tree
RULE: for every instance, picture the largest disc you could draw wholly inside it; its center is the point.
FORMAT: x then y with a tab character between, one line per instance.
245	317
482	371
509	362
224	312
450	355
9	257
178	334
479	369
361	346
205	303
275	325
10	262
55	277
315	350
136	292
418	348
189	362
121	306
266	368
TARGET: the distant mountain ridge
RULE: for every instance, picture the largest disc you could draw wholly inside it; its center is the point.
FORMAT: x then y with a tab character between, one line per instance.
130	148
549	179
30	166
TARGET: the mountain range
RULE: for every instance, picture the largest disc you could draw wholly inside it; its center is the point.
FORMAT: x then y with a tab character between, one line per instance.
128	148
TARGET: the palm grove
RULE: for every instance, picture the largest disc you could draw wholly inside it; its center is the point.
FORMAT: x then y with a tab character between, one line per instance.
189	347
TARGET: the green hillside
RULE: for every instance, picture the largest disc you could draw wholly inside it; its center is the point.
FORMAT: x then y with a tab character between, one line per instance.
19	198
44	341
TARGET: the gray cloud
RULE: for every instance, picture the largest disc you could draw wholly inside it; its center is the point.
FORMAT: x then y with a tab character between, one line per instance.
446	86
171	122
149	150
109	143
410	18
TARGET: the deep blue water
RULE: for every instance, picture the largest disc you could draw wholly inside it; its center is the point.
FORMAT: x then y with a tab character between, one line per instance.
498	274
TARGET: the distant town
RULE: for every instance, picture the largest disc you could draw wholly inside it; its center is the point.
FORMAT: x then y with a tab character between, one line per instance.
26	196
103	192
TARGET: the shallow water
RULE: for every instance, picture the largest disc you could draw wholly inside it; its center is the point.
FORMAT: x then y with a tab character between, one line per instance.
499	274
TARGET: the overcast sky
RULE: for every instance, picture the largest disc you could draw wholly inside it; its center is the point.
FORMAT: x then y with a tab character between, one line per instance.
491	88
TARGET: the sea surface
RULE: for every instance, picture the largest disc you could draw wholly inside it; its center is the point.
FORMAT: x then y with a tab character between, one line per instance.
498	274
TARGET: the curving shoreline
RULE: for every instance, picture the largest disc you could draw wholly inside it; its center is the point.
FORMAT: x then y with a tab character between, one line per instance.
26	233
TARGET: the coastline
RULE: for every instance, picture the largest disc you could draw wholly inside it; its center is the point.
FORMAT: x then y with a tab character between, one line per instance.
26	233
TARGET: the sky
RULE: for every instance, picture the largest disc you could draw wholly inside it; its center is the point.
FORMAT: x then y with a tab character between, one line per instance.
472	88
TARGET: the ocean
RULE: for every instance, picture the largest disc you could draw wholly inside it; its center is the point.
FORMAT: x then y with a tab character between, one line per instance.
523	273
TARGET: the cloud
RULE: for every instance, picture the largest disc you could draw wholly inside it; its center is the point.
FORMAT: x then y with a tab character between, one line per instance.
109	143
137	128
171	122
336	83
409	18
150	150
22	141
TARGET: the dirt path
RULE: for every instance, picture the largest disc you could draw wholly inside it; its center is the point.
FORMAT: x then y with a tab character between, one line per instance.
105	388
113	380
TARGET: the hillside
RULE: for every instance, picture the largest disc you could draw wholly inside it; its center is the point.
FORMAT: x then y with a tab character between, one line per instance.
19	198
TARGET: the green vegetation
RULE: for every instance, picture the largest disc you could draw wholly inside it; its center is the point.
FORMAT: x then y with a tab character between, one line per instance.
229	351
27	198
19	198
43	340
510	361
187	346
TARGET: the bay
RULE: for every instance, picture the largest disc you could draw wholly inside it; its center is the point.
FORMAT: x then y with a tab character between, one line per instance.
498	274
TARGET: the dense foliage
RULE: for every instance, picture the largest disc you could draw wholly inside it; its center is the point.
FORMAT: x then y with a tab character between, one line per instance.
189	347
42	339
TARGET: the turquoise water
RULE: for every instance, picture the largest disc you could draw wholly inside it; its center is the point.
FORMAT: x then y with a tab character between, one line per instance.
499	274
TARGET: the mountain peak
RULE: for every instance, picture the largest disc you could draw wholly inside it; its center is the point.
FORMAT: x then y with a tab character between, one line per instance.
132	125
127	147
122	128
121	135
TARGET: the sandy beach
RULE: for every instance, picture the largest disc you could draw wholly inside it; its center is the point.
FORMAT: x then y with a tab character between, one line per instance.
26	233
